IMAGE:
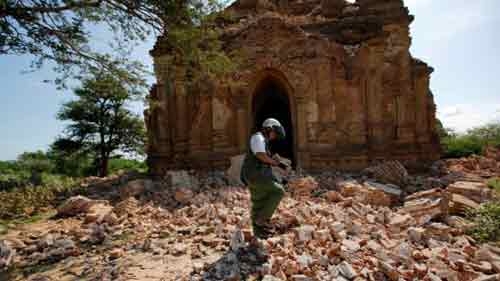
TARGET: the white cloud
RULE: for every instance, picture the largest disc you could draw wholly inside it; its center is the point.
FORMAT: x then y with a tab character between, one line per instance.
441	21
462	117
451	111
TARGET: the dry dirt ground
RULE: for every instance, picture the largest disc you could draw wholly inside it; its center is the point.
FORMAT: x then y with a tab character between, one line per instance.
381	225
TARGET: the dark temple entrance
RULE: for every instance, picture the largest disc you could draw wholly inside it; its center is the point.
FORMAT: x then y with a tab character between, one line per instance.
271	101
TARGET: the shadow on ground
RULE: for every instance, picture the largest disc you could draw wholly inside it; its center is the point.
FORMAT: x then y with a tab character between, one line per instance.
240	264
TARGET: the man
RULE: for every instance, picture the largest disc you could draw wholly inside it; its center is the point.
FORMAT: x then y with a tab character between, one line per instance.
265	191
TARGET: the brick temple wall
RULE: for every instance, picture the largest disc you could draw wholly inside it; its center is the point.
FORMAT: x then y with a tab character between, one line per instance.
356	95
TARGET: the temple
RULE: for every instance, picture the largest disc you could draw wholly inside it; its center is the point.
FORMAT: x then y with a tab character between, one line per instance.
338	75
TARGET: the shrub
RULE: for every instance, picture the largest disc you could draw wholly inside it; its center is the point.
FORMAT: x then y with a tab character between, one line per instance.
11	178
486	221
494	183
9	181
29	200
462	146
120	164
473	142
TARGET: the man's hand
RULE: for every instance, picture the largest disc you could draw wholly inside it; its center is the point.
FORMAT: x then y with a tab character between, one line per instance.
283	166
284	181
263	157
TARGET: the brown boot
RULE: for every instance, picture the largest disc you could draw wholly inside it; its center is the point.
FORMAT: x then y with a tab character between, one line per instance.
256	248
263	229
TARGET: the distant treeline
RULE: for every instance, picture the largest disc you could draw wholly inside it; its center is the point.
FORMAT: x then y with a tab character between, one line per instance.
41	168
474	141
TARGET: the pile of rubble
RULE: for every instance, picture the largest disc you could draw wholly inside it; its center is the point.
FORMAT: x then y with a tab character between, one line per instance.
483	166
352	233
333	227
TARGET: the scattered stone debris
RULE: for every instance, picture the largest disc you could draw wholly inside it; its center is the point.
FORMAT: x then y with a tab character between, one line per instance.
6	255
303	186
234	171
392	172
331	227
183	195
475	191
475	167
74	206
135	188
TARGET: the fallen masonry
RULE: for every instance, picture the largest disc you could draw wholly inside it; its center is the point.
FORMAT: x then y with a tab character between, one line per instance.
333	227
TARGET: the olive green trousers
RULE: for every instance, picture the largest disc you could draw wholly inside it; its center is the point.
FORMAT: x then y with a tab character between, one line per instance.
265	197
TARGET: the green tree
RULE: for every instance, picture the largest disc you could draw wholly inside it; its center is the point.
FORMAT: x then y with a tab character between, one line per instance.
69	160
121	164
489	133
457	146
442	131
59	31
472	142
36	163
100	122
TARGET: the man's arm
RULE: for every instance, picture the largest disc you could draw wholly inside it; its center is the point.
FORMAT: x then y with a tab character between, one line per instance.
264	158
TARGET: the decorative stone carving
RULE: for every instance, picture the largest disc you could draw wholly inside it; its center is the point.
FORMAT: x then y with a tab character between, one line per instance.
350	88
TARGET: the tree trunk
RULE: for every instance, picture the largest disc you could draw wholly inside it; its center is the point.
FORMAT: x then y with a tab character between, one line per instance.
36	178
103	167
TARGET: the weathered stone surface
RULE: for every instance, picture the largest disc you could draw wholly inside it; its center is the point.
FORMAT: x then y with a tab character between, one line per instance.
100	213
116	253
347	270
349	188
75	205
333	196
234	171
473	168
6	255
128	206
495	277
370	192
427	205
62	249
389	172
389	191
475	191
135	188
341	74
416	234
460	204
492	152
303	186
181	178
301	277
237	240
183	195
304	233
211	239
389	271
271	278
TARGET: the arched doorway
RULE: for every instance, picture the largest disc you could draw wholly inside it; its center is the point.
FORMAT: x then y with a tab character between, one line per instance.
271	100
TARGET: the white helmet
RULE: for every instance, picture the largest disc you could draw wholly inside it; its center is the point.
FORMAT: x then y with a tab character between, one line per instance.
276	126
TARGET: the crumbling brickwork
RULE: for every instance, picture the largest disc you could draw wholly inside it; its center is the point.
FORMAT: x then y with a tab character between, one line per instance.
352	91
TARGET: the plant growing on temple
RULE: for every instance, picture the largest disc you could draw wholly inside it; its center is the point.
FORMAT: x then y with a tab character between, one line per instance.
60	31
494	183
101	125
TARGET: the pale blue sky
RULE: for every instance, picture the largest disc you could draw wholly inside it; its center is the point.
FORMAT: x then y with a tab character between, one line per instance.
459	38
